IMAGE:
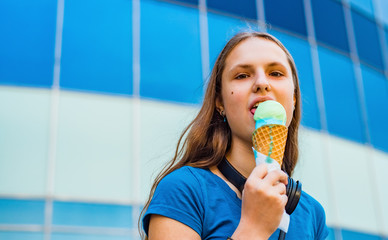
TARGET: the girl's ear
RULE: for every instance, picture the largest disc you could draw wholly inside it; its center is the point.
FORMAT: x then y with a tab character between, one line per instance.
219	105
294	101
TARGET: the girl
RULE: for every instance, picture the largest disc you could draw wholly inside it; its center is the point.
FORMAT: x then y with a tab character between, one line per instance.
191	198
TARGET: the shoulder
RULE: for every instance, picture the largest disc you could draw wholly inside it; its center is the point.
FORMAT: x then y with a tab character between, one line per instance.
181	184
179	196
183	178
314	206
317	215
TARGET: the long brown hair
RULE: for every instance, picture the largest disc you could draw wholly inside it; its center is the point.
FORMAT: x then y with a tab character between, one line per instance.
206	140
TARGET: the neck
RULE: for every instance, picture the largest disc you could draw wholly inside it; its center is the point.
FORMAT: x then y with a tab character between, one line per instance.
241	156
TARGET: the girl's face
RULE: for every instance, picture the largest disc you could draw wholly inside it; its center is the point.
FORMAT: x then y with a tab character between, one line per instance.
256	70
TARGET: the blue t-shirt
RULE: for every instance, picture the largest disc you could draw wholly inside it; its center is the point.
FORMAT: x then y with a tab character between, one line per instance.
203	201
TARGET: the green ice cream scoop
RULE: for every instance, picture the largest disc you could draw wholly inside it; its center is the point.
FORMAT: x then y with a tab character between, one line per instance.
270	112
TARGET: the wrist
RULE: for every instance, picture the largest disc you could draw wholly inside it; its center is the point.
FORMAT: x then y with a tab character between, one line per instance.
244	232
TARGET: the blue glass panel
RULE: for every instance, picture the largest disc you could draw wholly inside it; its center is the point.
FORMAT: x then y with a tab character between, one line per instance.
27	42
382	9
331	234
21	236
350	235
330	28
221	29
365	6
340	94
286	14
72	236
242	8
386	48
386	38
376	97
367	39
192	2
300	51
170	53
96	46
89	214
21	211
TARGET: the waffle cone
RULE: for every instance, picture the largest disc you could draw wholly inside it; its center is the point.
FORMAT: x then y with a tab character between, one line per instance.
261	139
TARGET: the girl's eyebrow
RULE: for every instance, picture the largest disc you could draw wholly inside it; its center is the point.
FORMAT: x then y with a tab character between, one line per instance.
244	66
272	64
250	66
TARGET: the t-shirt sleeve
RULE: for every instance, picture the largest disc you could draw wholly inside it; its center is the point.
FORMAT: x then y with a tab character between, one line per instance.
320	222
178	196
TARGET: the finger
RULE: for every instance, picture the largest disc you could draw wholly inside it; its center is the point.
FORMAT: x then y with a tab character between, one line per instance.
284	199
260	171
276	176
280	188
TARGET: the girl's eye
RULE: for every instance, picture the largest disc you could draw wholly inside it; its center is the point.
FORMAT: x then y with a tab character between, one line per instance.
276	74
242	75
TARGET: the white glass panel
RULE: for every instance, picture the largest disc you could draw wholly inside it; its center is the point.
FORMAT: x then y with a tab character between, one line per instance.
312	170
94	147
24	132
352	184
161	126
380	162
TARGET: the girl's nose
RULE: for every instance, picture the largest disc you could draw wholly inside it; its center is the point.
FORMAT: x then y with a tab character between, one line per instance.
261	83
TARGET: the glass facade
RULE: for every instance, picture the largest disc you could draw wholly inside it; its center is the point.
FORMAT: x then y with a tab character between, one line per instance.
164	28
95	46
288	15
368	48
20	21
81	82
330	28
342	103
244	8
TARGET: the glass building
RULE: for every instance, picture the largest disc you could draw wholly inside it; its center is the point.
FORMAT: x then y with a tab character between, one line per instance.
95	93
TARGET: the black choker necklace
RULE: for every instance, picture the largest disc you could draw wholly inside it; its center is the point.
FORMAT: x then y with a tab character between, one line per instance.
233	176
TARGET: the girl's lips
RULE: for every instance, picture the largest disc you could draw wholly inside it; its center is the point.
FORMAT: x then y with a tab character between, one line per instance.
259	100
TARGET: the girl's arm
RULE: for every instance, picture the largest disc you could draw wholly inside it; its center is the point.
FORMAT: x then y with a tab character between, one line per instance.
164	228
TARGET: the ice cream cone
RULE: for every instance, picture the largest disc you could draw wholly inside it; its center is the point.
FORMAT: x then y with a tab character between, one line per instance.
270	140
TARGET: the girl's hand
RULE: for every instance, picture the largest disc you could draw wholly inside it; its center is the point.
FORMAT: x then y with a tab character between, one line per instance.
263	203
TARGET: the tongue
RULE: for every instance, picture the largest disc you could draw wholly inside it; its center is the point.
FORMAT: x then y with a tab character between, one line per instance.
253	110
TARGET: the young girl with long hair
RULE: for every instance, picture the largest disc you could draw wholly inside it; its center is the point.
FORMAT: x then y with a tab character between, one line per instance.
191	198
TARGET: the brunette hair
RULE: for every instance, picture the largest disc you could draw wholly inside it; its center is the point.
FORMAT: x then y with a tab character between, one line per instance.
206	140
